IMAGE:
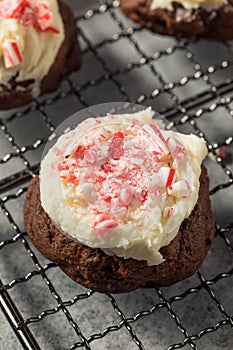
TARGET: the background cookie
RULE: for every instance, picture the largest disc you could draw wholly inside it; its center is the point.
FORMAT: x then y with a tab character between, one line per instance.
181	23
98	271
68	59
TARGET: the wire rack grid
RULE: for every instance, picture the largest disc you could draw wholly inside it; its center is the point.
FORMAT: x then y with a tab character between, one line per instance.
189	82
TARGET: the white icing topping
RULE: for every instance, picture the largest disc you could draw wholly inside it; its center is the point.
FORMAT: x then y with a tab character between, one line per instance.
208	5
122	184
38	48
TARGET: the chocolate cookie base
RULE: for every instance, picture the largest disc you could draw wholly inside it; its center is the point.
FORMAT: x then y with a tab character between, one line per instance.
216	25
67	60
92	268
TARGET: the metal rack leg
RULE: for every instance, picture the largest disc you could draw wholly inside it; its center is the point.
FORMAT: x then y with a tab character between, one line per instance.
14	318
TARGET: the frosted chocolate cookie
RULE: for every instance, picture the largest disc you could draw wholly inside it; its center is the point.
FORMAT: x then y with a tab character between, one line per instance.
38	48
183	18
121	204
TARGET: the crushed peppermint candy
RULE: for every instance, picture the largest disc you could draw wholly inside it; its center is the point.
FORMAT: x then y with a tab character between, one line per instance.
119	170
12	55
180	189
103	224
29	12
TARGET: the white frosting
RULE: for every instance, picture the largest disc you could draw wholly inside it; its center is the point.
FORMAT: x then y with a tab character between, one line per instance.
208	5
133	227
39	49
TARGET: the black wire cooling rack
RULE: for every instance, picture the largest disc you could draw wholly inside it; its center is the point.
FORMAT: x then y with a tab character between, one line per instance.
190	83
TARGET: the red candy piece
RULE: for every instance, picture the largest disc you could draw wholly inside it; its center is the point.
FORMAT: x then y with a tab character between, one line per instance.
79	152
170	177
63	166
116	145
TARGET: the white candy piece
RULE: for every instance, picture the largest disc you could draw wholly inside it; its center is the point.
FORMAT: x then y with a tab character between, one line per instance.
101	133
160	179
88	192
136	161
119	213
126	195
163	174
177	150
171	143
90	156
128	145
179	189
153	131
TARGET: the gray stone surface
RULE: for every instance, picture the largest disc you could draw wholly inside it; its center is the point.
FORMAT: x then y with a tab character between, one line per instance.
158	328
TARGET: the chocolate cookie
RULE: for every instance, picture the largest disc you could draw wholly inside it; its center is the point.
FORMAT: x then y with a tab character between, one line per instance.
182	23
68	59
92	268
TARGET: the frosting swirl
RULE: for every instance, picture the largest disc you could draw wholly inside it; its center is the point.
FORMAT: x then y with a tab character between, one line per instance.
31	33
122	184
208	5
